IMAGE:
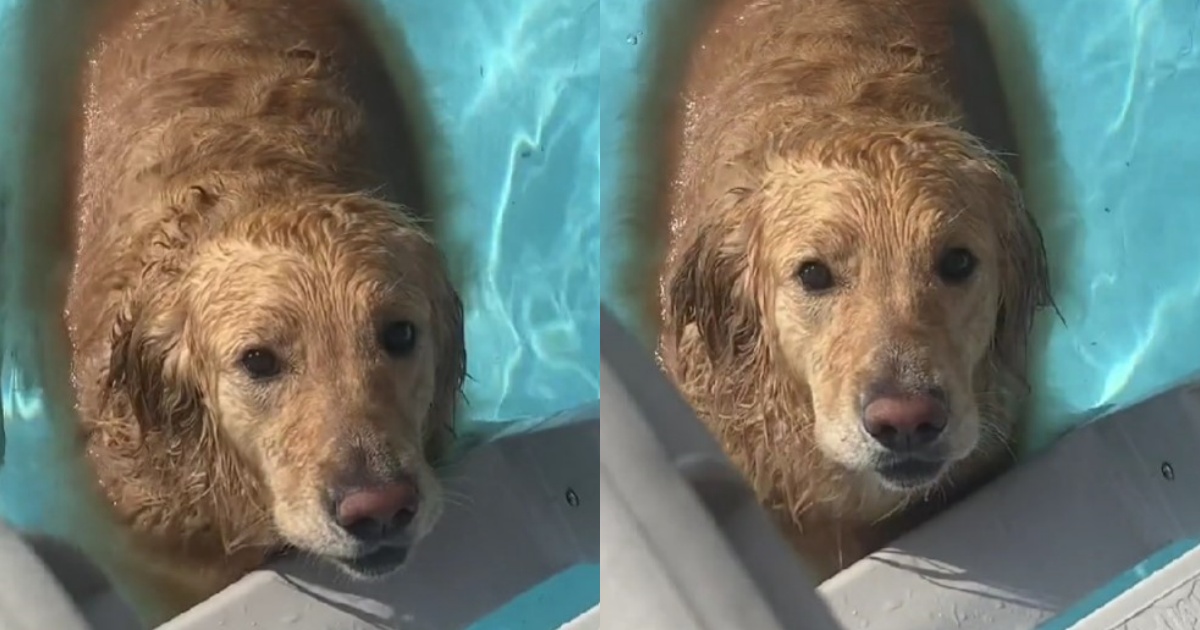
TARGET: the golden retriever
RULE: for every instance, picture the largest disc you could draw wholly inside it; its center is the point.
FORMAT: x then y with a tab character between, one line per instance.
268	351
851	276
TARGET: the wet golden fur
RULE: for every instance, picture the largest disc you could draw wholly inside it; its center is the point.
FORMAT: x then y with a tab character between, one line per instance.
240	184
825	130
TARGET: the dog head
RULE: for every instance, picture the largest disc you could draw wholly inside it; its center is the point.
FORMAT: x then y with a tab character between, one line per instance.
890	277
313	350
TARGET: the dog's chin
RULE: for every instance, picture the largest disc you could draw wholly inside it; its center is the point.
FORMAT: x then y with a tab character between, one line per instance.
374	565
910	474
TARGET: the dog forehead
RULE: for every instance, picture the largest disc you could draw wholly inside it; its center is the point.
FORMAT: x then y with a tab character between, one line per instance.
842	208
238	276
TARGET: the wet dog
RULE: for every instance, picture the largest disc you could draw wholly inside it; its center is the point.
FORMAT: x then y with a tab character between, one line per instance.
851	275
268	351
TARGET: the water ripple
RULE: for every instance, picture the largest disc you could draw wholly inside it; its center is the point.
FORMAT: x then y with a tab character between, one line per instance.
515	87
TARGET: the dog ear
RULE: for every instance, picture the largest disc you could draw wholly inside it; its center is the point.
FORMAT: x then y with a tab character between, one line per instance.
1024	282
707	288
150	371
449	374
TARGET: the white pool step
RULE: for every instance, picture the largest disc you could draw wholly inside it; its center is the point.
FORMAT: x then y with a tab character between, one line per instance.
1029	546
1169	599
683	541
32	597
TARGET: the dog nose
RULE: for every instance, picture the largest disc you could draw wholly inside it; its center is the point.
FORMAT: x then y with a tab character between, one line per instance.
373	513
905	423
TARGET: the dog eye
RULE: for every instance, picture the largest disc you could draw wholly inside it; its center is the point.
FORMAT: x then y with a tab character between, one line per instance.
260	363
398	338
956	265
815	276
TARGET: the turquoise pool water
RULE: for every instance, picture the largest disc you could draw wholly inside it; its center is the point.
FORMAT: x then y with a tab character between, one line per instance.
1104	94
514	89
514	85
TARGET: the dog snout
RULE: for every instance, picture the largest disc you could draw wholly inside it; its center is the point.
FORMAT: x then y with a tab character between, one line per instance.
904	422
374	513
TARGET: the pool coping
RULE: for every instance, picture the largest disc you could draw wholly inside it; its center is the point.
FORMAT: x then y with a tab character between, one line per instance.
1051	534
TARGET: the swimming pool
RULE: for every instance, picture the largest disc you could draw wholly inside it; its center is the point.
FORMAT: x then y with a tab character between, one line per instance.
514	90
513	86
1103	97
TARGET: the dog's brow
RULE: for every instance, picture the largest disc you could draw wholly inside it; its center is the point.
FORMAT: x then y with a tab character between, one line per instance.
405	288
957	214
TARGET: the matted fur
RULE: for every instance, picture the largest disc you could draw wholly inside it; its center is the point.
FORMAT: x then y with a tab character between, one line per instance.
243	181
825	129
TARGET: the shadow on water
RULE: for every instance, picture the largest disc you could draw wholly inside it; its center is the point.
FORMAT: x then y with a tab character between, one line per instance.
43	484
1015	54
640	149
514	86
422	171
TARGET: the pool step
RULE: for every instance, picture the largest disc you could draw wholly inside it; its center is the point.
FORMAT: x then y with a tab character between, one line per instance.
1166	599
1043	545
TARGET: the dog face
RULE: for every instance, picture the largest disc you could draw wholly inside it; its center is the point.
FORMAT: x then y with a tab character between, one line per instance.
325	348
889	281
885	302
